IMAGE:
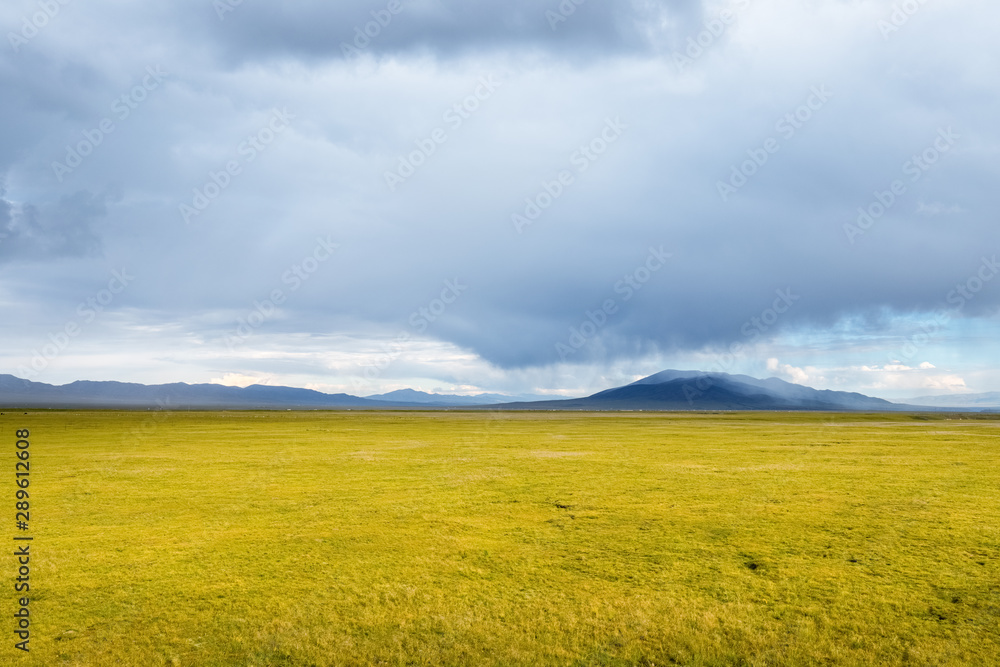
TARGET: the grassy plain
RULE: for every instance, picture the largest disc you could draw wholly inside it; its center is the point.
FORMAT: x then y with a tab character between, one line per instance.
409	538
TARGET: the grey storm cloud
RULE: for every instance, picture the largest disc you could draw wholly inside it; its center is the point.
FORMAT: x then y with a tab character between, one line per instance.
796	148
444	27
65	228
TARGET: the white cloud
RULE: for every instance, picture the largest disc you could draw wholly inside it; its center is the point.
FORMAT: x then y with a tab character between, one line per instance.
797	375
897	377
240	380
951	383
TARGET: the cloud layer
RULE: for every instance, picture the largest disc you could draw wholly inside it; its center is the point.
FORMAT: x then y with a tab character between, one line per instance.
611	186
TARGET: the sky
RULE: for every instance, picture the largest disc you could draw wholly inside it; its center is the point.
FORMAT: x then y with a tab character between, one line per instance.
546	197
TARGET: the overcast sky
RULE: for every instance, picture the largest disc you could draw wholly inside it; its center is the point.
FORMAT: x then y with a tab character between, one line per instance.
519	197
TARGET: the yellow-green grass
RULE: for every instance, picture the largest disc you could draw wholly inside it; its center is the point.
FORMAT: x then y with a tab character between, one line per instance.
441	538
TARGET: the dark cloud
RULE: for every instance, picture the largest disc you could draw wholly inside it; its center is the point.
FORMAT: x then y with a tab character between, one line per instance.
448	28
786	228
65	228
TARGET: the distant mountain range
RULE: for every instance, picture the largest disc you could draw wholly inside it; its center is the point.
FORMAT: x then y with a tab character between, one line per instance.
989	400
24	393
695	390
411	396
668	390
15	392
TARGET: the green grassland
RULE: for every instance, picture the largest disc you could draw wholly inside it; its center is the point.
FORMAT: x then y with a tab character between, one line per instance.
479	538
